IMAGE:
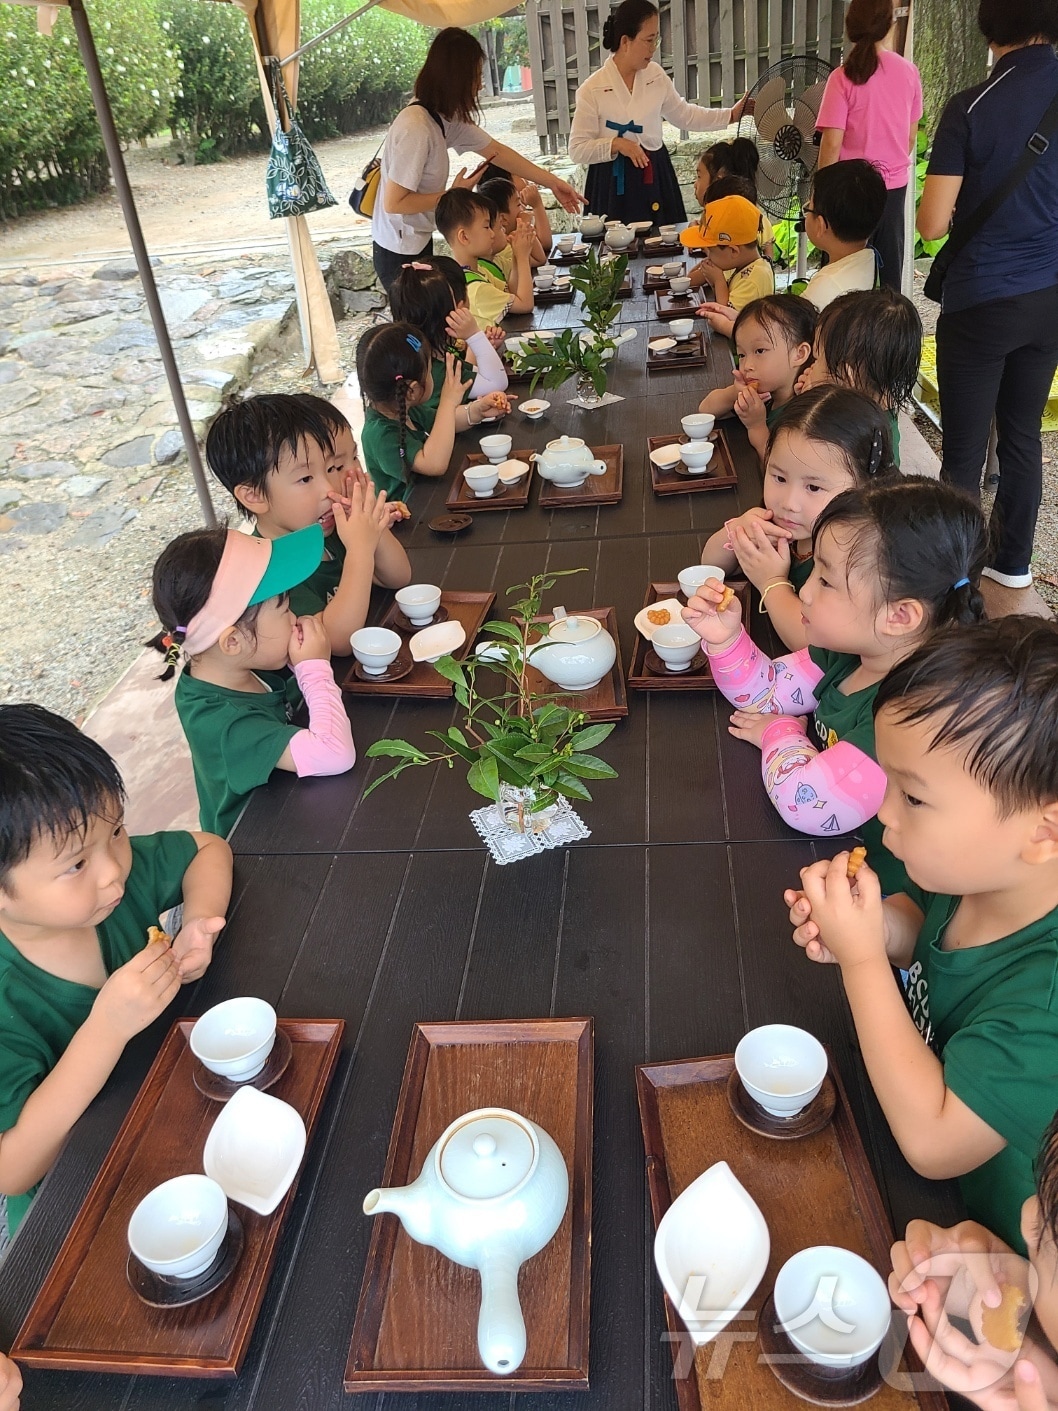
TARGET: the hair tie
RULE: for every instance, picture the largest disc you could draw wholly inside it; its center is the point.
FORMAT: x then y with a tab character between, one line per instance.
416	264
962	583
413	342
398	377
874	460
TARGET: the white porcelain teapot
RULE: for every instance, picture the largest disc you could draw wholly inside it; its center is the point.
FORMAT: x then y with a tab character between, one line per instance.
491	1194
619	236
576	653
568	461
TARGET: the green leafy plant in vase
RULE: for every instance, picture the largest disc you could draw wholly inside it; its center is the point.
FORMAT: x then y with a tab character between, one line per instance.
585	353
525	749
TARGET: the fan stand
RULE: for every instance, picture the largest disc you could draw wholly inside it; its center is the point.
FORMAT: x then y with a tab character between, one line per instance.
802	255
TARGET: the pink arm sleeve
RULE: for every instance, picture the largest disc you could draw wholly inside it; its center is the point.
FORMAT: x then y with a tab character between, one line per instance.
492	375
752	681
326	747
835	791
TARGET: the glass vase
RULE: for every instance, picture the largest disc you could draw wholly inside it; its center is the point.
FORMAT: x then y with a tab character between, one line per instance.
516	805
586	392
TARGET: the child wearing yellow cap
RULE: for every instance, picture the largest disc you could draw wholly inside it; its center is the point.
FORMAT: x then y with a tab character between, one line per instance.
734	269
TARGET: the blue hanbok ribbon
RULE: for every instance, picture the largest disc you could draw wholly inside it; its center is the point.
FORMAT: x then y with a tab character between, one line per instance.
620	128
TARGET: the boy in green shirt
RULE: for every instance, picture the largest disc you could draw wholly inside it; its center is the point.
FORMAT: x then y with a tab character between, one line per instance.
966	1070
79	975
290	461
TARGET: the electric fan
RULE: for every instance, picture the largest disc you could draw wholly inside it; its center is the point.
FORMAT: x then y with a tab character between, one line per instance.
786	101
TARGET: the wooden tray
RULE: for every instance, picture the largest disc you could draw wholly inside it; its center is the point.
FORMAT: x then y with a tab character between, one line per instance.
515	497
688	1125
563	295
86	1318
668	305
652	248
609	700
416	1321
515	375
641	678
471	609
676	361
558	257
653	282
720	473
596	490
626	290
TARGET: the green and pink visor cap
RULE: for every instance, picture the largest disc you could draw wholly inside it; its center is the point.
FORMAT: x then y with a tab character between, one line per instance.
251	571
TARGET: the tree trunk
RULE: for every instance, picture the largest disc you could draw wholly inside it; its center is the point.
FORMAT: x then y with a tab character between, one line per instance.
950	52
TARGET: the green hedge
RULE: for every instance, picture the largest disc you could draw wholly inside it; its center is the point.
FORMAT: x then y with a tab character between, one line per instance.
51	151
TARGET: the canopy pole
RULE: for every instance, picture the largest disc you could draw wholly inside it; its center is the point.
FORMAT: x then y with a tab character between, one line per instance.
340	24
139	249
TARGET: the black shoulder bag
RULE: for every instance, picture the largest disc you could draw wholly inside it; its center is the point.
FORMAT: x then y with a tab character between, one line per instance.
965	230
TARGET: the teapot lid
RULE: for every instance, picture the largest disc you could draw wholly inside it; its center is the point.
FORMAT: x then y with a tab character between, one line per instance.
572	629
564	443
487	1154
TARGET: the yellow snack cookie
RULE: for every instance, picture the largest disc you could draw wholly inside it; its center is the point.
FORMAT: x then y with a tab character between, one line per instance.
857	857
1004	1327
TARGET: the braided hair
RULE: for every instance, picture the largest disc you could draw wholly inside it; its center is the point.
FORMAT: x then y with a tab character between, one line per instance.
181	584
388	358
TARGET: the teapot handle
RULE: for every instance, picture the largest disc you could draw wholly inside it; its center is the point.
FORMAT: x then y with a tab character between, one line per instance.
501	1327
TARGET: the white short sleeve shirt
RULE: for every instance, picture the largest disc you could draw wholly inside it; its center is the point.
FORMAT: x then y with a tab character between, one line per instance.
415	156
653	96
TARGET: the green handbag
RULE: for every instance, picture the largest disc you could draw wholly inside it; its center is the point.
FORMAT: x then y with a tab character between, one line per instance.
294	179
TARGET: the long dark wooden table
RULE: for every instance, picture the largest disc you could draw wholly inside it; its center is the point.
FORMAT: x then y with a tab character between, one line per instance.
667	926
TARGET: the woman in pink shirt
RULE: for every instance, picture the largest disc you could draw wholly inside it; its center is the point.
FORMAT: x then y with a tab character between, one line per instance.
870	109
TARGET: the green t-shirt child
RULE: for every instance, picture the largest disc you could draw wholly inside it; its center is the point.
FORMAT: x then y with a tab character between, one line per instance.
236	739
40	1012
380	450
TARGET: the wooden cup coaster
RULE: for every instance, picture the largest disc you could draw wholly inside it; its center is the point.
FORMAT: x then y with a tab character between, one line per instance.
822	1386
400	667
450	523
403	623
161	1291
805	1123
657	667
219	1089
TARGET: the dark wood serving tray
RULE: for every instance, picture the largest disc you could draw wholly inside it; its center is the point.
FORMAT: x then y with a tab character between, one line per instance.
559	257
562	295
654	282
668	305
416	1321
596	490
461	497
625	291
609	700
514	374
688	1125
693	352
651	248
471	609
641	678
86	1318
720	473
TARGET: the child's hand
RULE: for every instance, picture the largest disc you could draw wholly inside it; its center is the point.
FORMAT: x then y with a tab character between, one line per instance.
529	195
717	628
848	915
763	557
309	641
138	991
750	407
750	725
362	518
806	932
522	240
452	388
10	1384
495	334
193	946
758	517
492	406
461	323
965	1262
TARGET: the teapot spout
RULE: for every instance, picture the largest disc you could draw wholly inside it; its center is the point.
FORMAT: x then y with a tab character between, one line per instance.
407	1204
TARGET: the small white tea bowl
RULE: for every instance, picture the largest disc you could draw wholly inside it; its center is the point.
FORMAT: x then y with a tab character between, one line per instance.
254	1149
680	285
832	1305
698	425
418	602
696	455
482	479
691	579
496	448
566	242
682	328
234	1038
673	268
550	269
375	648
666	457
177	1228
535	410
543	281
676	644
781	1067
667	233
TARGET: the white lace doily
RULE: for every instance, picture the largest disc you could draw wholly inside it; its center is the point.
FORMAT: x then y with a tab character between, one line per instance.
565	827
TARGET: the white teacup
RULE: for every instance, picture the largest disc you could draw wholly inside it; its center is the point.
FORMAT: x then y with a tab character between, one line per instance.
696	455
566	242
682	328
691	579
673	268
482	479
681	285
375	648
177	1228
781	1067
833	1306
667	233
698	425
234	1038
543	281
552	270
419	602
496	448
676	644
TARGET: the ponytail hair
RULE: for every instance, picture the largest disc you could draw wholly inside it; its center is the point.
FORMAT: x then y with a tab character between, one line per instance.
424	294
915	538
182	582
857	428
867	22
388	358
626	22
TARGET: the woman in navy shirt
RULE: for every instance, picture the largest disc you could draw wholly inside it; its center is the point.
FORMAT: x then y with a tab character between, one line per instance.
997	336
